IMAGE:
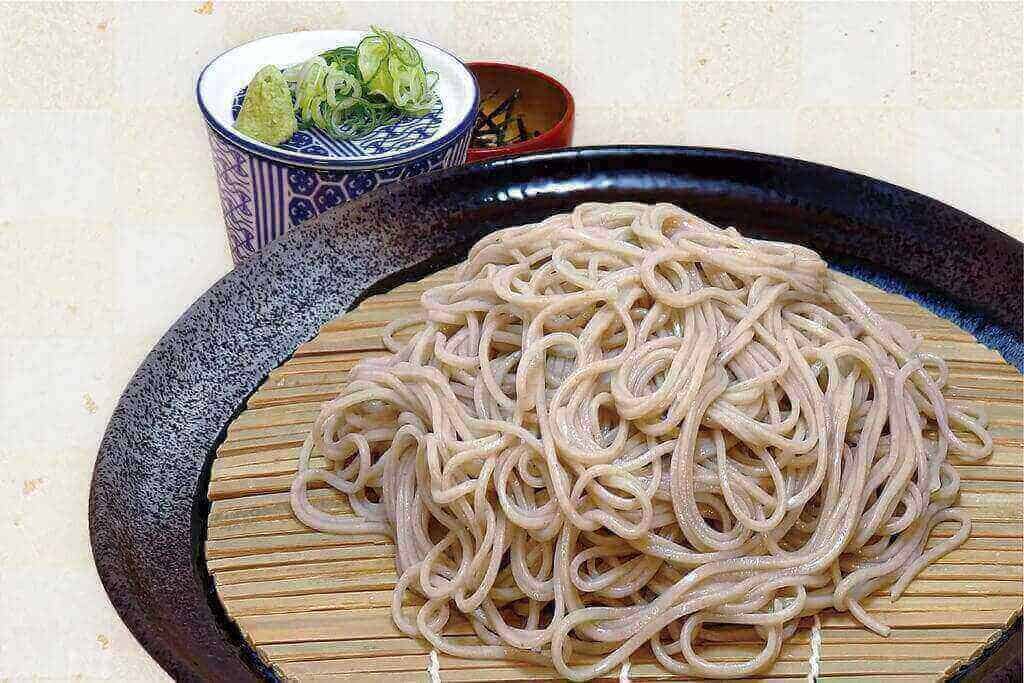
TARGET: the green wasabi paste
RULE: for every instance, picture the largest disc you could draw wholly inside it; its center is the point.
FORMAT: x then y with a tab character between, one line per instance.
267	112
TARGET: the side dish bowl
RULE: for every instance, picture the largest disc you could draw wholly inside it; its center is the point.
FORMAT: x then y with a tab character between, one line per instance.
266	191
545	105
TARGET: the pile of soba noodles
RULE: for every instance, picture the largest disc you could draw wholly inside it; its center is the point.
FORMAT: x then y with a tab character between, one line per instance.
627	429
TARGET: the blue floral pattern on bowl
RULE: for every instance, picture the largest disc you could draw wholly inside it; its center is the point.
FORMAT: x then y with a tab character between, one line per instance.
262	199
402	134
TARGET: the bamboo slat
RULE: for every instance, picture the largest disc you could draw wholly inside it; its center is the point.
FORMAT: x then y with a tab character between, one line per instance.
317	607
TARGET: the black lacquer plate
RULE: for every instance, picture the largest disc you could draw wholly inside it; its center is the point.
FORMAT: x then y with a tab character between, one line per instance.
147	508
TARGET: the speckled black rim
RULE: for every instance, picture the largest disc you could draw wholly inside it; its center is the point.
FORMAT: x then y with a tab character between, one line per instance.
147	507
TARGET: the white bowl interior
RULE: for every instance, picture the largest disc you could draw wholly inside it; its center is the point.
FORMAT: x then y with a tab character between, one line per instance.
232	71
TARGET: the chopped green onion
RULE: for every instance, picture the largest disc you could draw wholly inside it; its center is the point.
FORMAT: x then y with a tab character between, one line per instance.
349	91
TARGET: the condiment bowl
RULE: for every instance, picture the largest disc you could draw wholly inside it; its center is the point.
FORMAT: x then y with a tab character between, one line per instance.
546	106
266	191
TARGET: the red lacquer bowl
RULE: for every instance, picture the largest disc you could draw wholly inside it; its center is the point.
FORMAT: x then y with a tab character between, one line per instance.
544	104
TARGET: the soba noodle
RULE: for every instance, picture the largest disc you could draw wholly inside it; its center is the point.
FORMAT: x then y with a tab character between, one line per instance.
626	428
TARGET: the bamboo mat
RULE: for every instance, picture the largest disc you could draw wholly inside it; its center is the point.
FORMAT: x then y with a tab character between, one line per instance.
316	606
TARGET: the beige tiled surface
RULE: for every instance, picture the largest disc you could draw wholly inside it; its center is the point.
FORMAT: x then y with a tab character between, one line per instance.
981	72
861	50
110	225
743	55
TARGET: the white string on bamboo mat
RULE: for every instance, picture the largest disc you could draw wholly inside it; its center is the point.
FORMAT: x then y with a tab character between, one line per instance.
815	656
434	668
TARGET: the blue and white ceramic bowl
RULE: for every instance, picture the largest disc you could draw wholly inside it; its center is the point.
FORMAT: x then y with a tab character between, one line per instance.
265	191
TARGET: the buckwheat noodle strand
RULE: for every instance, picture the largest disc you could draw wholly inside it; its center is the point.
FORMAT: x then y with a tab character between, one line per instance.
626	428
